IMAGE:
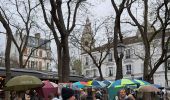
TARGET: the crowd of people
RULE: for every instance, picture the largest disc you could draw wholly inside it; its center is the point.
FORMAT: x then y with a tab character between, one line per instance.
63	94
88	94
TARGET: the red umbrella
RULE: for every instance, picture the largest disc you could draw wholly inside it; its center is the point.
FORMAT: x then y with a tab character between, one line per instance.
47	89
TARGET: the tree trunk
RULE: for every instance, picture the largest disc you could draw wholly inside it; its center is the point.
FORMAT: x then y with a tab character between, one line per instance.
65	60
146	63
21	61
119	73
101	75
7	64
166	70
59	63
7	52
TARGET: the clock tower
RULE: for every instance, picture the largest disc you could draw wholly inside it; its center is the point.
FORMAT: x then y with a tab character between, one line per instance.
87	39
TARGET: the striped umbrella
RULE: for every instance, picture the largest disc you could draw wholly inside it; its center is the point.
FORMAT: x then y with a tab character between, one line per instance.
97	84
124	82
107	82
141	82
78	85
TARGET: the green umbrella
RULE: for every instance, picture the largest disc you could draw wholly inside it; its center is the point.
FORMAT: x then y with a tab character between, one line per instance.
23	82
122	83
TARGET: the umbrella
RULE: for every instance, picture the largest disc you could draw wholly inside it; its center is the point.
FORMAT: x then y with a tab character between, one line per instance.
47	89
89	83
141	82
84	83
121	83
54	84
97	84
125	82
22	83
148	88
107	82
157	85
114	87
78	85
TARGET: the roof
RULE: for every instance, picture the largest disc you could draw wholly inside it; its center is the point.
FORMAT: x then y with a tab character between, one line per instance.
40	74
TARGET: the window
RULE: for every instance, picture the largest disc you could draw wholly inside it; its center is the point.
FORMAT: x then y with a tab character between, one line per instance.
48	65
36	52
47	45
95	58
87	61
110	57
48	54
128	69
110	71
88	73
127	54
40	53
169	47
32	64
95	72
40	65
33	53
168	64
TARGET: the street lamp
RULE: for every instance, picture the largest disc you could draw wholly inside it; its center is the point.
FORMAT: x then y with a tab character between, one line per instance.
120	48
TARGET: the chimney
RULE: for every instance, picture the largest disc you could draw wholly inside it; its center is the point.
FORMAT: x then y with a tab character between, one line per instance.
37	35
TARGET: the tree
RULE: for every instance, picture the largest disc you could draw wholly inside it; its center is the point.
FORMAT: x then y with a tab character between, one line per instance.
87	42
6	25
159	25
22	22
118	37
77	66
64	27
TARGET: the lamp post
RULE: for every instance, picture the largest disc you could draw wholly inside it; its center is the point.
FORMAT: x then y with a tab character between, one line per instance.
120	49
120	52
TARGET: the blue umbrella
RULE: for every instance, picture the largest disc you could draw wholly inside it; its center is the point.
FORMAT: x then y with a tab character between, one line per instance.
97	84
107	82
156	85
78	85
123	83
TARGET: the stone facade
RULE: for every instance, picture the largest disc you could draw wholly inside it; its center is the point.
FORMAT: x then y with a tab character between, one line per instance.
132	64
40	58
